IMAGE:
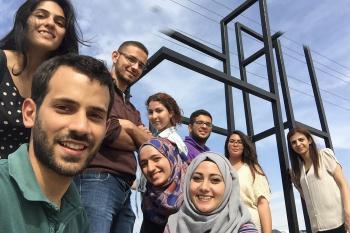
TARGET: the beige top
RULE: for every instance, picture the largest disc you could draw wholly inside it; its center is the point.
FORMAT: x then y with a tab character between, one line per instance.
322	196
251	190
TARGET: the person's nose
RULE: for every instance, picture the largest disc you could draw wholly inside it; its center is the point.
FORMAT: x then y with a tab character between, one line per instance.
151	167
80	123
205	186
49	22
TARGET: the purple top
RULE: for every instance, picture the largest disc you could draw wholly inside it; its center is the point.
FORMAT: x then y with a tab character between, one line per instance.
194	148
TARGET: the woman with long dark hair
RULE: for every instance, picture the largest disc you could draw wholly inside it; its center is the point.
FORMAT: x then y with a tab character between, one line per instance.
42	29
318	177
254	188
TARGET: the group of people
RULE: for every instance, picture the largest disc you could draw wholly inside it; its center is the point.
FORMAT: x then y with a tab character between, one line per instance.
69	135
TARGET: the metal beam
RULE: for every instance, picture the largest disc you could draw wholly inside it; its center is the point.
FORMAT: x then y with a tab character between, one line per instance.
317	95
277	117
195	44
240	9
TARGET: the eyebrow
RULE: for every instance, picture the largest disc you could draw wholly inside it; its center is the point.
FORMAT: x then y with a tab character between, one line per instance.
211	174
72	102
48	12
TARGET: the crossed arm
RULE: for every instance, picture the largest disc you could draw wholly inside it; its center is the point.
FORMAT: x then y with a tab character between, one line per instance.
131	136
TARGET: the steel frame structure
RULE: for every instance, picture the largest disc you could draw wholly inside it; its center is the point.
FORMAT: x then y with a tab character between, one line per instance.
270	43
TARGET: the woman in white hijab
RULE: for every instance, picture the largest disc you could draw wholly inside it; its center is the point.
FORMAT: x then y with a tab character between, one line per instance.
211	199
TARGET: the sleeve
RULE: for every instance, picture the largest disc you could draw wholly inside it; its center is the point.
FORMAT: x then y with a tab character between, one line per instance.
166	229
113	130
247	228
328	159
261	187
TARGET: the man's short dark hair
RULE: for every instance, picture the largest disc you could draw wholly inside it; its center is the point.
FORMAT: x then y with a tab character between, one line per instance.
133	43
89	66
197	113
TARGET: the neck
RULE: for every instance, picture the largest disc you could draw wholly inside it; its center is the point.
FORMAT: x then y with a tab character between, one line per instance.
53	185
198	140
119	83
236	163
34	59
306	158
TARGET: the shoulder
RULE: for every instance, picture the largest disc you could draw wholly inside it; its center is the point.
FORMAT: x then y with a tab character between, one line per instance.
328	159
327	154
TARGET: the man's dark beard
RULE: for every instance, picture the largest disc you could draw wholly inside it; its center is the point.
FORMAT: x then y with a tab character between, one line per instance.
120	76
44	152
199	140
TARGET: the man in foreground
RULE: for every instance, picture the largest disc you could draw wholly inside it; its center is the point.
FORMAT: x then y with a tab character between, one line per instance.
67	114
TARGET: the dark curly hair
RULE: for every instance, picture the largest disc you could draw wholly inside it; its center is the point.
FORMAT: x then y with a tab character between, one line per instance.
170	104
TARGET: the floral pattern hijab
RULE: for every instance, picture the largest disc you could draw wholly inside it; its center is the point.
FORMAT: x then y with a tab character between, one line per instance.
160	202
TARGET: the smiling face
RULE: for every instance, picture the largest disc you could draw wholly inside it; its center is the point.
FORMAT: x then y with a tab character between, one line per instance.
155	166
128	65
159	115
201	128
235	147
300	144
207	187
46	26
69	125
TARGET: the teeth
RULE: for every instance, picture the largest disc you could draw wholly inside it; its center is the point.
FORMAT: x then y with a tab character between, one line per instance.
204	198
73	146
45	33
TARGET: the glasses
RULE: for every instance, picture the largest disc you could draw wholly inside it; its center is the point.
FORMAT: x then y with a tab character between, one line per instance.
239	142
133	60
208	124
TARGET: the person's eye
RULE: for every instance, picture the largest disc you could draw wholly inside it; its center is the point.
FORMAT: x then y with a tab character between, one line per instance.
60	23
97	117
63	108
197	179
216	180
143	164
132	59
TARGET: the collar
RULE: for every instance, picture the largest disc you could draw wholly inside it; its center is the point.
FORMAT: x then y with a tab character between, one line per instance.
167	132
193	142
126	94
20	169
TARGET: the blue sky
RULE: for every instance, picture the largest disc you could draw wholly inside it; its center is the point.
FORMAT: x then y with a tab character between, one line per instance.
318	24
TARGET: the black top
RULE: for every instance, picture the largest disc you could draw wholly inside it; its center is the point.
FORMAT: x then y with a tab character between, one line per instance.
12	131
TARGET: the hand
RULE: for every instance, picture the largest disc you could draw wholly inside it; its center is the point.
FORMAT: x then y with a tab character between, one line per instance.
295	182
347	221
145	129
293	178
126	124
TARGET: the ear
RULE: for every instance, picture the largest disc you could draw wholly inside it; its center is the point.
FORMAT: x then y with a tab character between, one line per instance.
190	128
115	56
28	112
